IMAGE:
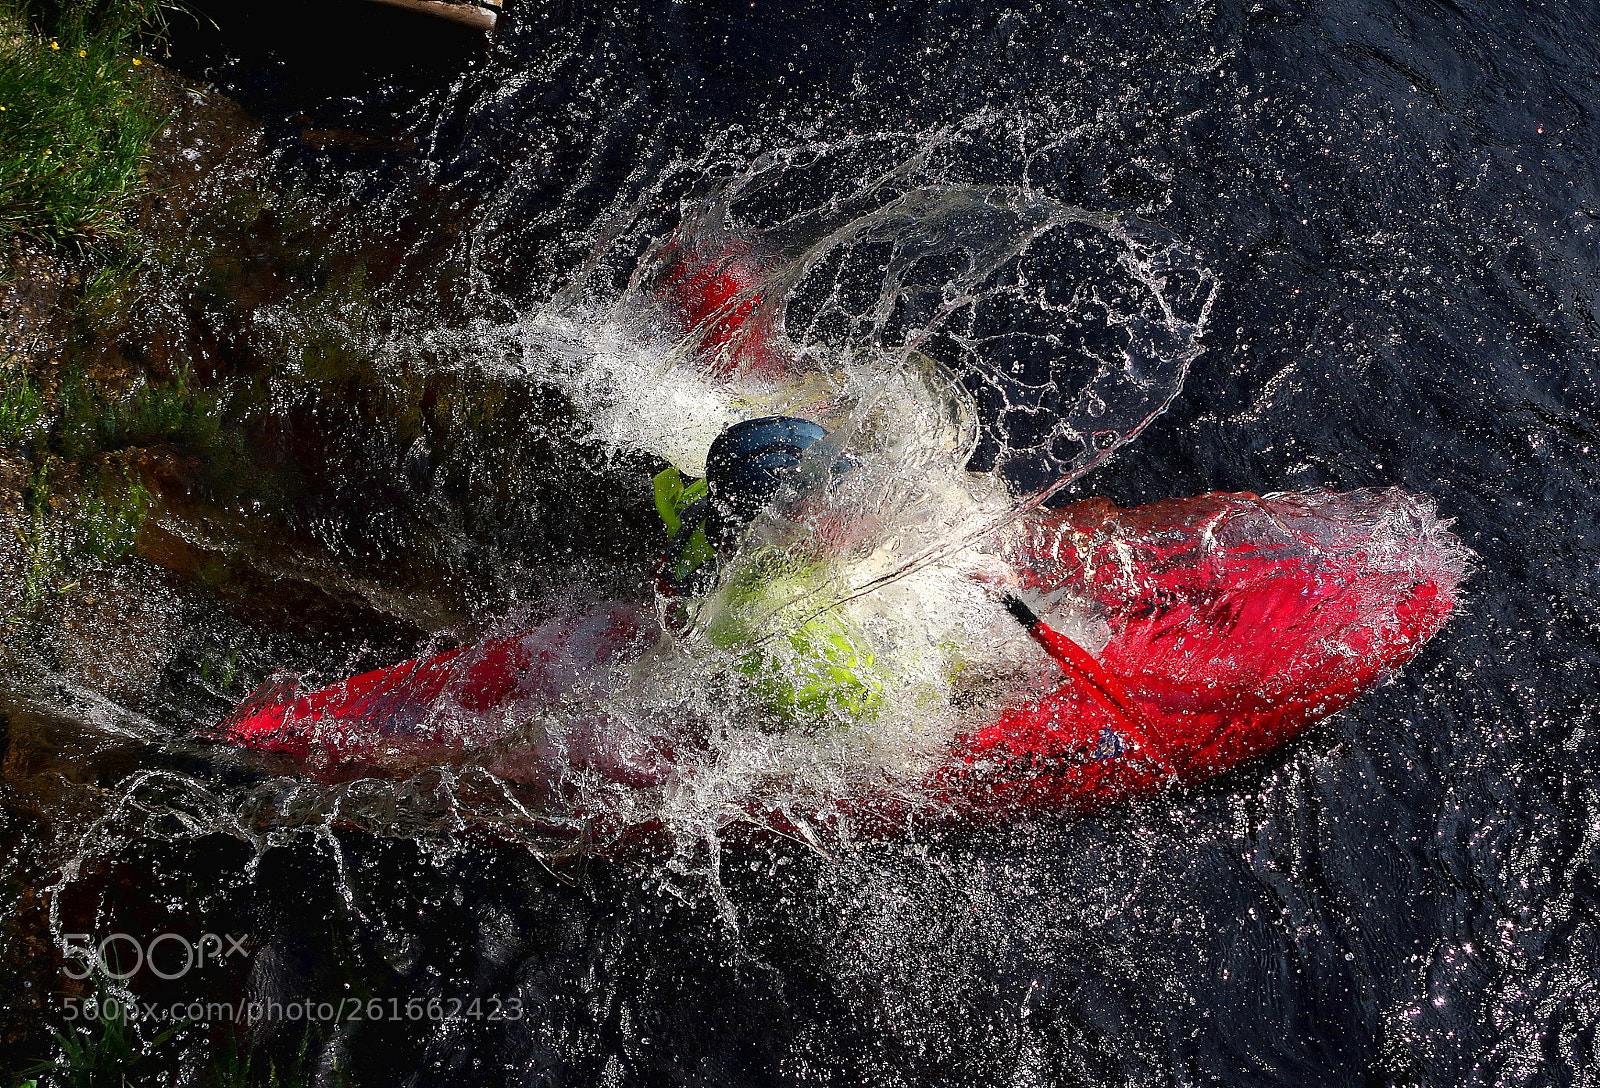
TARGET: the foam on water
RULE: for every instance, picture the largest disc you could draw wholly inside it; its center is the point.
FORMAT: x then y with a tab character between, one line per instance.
899	553
902	307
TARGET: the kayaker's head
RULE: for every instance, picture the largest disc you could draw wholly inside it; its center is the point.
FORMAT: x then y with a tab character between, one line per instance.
755	465
752	467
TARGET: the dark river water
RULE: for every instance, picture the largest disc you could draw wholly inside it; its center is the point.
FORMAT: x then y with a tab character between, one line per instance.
1401	202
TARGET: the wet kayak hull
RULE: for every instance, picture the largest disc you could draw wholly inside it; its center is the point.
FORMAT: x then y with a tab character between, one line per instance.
1235	622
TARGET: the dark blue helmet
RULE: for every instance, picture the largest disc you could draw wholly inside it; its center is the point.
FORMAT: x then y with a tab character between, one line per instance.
753	462
749	468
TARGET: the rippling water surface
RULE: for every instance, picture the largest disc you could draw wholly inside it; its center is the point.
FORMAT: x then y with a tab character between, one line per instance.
1401	206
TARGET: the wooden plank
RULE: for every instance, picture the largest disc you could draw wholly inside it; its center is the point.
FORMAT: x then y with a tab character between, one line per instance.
467	14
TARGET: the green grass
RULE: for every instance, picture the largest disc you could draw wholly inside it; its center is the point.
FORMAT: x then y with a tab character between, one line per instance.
24	412
98	528
75	120
82	419
98	1058
108	1053
82	513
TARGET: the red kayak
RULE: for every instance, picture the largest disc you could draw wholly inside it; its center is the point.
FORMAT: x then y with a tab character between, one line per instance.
1234	622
